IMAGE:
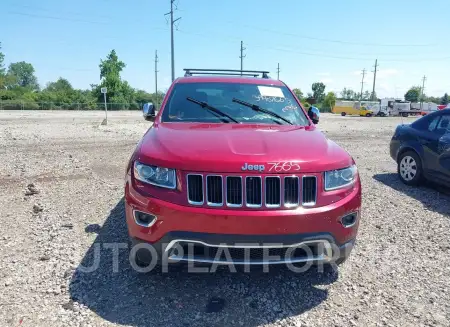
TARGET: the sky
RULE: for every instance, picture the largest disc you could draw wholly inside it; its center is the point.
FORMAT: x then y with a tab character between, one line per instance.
312	41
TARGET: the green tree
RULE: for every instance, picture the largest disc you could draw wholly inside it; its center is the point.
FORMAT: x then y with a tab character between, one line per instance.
366	95
318	89
3	79
23	74
61	85
444	99
2	66
330	100
110	70
413	94
349	94
298	93
112	66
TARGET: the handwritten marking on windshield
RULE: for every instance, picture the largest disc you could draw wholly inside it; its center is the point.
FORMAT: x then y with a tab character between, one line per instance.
269	98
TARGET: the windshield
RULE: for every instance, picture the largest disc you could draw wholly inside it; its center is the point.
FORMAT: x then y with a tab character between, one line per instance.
277	99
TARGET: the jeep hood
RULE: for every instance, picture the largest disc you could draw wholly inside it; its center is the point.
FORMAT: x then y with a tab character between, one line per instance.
226	148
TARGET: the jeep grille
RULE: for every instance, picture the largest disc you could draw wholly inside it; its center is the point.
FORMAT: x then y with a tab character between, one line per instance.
251	191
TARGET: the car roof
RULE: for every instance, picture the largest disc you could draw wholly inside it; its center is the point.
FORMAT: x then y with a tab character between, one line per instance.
228	79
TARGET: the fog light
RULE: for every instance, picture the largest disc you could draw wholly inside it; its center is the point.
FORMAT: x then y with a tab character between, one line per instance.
144	219
349	220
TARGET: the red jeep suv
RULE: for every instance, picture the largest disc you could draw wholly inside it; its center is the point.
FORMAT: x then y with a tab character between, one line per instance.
234	171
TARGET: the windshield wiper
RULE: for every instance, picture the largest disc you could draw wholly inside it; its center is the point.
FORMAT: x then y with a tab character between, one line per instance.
255	107
212	109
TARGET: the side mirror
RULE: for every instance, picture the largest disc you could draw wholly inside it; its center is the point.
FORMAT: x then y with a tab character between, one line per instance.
149	111
313	114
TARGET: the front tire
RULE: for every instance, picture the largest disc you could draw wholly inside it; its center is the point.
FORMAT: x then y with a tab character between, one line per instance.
368	115
343	114
409	168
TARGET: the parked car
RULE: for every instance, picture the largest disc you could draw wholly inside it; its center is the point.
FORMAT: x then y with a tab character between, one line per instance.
234	163
422	149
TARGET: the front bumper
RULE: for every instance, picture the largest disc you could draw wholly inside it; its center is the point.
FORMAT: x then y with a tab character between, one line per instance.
187	247
394	147
318	229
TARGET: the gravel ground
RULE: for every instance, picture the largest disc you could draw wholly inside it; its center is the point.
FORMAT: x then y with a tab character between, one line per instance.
62	200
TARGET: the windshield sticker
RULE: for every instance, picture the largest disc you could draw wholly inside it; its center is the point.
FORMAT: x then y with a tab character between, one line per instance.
268	91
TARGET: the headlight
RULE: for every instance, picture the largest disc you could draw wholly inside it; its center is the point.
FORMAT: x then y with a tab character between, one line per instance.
340	178
158	176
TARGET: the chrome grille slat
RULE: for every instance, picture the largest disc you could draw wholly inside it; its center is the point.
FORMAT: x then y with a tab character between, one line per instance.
272	191
234	191
253	191
291	191
218	190
309	186
214	190
195	188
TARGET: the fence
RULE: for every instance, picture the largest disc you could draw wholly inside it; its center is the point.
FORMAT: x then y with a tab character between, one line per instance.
24	105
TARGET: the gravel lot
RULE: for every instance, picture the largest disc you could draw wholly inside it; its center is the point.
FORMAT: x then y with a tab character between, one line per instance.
396	276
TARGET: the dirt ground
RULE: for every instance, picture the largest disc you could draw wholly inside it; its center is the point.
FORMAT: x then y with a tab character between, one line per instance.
398	274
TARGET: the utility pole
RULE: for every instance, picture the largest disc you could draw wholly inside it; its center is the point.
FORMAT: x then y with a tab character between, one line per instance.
172	22
242	56
424	78
156	76
374	79
278	71
362	85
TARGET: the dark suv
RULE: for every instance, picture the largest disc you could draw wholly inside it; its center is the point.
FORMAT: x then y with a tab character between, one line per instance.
422	149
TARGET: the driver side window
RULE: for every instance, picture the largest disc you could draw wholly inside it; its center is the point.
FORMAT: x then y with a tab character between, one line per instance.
433	124
443	125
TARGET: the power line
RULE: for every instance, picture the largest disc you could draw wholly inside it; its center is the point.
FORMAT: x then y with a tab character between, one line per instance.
374	79
261	46
156	72
278	71
423	88
333	40
242	56
57	18
172	22
233	39
362	86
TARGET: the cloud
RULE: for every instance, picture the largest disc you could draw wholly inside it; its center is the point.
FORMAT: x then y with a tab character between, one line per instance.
323	74
326	80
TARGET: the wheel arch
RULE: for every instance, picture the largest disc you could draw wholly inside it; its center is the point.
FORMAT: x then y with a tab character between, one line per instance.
411	147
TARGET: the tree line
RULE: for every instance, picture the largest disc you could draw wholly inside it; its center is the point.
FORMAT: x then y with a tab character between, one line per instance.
19	85
326	101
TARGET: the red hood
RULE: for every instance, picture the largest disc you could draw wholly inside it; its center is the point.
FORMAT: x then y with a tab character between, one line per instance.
226	147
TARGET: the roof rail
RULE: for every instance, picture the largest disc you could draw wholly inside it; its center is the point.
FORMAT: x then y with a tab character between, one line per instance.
233	72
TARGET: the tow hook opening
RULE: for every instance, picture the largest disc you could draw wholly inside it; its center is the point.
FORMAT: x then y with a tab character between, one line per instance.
144	219
349	220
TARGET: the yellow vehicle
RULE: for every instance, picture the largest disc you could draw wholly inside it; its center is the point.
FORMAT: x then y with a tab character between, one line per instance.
351	108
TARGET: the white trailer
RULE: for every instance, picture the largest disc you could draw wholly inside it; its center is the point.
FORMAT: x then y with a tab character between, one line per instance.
397	107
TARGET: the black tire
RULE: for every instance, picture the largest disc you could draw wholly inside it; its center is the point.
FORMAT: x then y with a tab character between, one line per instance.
404	114
368	115
406	164
343	114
